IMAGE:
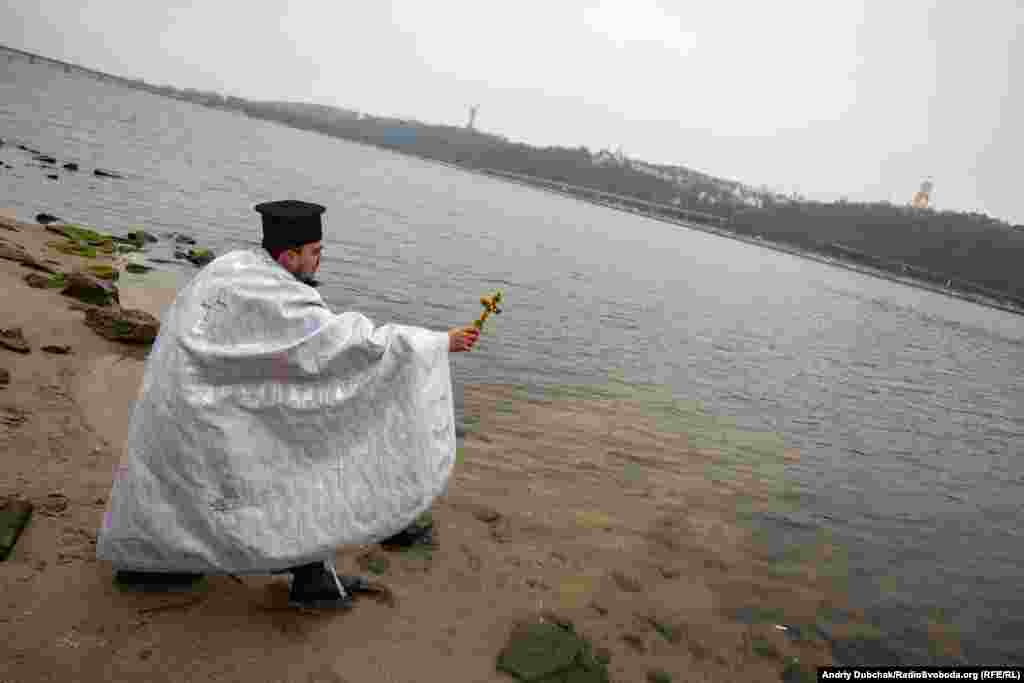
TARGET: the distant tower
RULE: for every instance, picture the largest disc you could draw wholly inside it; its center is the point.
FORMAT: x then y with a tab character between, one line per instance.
923	196
472	116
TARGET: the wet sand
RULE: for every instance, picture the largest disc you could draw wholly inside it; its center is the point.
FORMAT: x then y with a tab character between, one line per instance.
618	509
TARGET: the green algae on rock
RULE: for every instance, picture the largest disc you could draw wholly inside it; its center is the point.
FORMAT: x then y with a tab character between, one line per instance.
551	653
124	325
200	257
89	289
104	272
14	516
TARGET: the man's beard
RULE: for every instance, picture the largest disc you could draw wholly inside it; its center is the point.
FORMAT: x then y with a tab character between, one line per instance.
307	279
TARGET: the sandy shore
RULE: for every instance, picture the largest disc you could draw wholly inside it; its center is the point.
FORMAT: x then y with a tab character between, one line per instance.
621	513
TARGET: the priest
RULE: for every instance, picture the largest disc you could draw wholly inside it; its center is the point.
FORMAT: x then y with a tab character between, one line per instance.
269	430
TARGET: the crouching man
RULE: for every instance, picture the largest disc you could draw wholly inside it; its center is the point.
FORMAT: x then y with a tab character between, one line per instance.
269	430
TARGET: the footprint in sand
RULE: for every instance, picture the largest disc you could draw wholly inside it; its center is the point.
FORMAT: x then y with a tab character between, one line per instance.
13	417
14	340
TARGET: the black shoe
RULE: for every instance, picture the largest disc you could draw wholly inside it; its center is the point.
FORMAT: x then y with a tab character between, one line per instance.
158	582
317	586
420	532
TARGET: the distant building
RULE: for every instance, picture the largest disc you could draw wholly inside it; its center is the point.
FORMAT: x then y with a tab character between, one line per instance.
922	198
606	158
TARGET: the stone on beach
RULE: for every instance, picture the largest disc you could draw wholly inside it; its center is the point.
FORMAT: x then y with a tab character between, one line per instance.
543	651
200	257
36	280
124	325
46	218
538	650
197	257
140	237
14	516
487	514
84	287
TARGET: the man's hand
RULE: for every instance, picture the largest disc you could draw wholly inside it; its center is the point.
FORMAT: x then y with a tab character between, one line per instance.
462	338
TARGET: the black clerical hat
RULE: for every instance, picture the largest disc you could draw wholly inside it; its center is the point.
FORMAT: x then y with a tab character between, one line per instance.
290	223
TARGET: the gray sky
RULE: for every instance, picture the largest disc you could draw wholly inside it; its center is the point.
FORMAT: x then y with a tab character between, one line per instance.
841	98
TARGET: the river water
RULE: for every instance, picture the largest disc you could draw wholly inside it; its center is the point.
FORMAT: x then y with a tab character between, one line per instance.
905	405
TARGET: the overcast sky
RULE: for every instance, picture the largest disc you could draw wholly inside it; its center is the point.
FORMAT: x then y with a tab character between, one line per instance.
862	99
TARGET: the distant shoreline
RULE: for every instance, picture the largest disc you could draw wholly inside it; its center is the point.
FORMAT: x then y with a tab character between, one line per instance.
775	246
861	268
991	299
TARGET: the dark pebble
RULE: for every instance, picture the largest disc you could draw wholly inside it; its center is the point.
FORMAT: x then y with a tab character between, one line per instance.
141	236
52	176
58	349
486	514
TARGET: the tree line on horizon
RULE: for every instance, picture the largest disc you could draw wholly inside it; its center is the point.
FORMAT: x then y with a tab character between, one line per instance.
938	246
933	245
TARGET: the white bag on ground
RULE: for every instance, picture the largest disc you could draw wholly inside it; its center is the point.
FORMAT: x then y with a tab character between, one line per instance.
269	430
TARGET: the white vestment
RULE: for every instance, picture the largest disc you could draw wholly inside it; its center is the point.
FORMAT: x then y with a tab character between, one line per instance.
269	431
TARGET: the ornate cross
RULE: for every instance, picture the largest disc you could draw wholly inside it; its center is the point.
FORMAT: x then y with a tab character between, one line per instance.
210	304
